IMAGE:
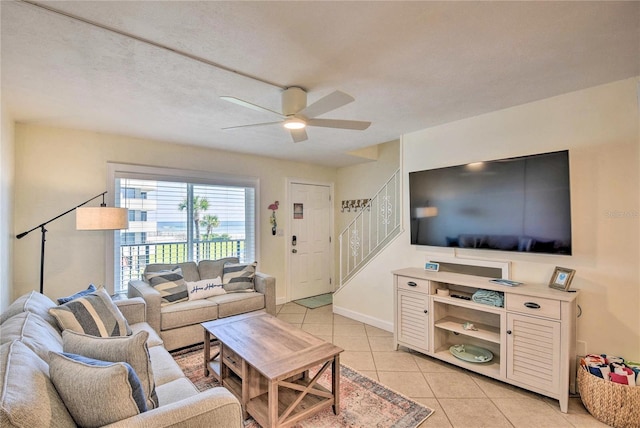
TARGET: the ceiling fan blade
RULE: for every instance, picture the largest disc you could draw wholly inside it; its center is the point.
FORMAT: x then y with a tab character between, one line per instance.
231	128
341	124
331	102
249	105
298	135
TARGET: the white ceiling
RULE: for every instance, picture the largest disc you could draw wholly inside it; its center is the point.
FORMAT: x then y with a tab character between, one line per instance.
409	65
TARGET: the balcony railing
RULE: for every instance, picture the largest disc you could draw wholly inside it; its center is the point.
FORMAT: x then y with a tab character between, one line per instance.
135	257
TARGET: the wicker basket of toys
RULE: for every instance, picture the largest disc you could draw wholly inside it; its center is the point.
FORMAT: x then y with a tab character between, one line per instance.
614	404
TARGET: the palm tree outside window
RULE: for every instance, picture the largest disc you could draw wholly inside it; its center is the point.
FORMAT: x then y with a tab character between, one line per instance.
182	222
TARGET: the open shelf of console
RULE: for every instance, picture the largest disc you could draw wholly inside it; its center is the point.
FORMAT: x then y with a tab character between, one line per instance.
489	368
456	325
452	315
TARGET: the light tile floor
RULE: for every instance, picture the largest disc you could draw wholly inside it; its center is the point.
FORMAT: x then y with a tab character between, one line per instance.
460	398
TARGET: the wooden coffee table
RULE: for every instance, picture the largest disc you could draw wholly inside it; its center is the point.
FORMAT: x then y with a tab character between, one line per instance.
265	363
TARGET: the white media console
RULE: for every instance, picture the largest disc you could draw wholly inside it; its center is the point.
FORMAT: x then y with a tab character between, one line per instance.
532	338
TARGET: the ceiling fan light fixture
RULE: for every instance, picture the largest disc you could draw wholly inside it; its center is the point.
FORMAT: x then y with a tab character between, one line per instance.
295	123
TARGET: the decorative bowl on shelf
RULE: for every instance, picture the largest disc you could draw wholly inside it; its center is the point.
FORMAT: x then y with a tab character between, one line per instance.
471	353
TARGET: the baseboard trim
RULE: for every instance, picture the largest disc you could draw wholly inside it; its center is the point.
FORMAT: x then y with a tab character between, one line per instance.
376	322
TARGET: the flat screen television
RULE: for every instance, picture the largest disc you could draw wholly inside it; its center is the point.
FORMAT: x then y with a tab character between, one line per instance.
518	204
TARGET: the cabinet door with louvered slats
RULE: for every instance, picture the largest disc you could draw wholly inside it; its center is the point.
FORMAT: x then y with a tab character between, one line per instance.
533	352
413	320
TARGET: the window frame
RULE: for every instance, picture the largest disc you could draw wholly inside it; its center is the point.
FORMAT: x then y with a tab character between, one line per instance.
147	172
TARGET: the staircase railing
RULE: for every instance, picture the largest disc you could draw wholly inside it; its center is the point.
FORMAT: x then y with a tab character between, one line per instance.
369	232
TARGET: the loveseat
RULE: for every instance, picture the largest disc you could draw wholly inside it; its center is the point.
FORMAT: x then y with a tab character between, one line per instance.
179	323
30	341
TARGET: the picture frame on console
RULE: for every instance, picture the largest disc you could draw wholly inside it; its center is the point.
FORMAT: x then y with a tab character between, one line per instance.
561	278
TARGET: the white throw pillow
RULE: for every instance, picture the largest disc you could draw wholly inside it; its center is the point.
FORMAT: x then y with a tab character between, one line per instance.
205	288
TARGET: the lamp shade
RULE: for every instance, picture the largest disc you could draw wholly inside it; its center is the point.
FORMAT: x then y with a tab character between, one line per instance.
423	212
102	218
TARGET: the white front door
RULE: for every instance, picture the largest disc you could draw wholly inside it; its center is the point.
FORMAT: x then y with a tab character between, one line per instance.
310	240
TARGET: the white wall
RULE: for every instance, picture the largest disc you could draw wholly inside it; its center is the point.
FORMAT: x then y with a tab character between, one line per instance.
600	127
6	205
363	180
57	169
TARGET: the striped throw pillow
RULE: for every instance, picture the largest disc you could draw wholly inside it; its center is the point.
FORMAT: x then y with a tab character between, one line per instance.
94	314
170	284
238	277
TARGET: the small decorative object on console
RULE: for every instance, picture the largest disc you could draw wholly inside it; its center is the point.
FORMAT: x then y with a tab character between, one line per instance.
432	266
471	354
561	278
489	297
469	326
506	282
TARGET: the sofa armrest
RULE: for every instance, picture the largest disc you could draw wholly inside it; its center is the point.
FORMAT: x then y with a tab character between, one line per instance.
266	285
151	296
213	407
134	310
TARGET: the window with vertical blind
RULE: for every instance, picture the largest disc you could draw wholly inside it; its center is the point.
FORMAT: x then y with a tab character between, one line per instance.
177	216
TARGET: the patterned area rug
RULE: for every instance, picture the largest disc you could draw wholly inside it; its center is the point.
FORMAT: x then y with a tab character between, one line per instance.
316	301
363	401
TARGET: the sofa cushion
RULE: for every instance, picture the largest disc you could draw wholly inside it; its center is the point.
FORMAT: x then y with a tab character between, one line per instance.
205	288
188	313
34	302
132	350
238	303
153	340
177	390
214	268
238	277
93	314
189	269
170	284
21	370
34	332
95	392
165	368
90	289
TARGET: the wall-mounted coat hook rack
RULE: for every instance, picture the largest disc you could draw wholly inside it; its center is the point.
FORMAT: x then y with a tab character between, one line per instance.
355	204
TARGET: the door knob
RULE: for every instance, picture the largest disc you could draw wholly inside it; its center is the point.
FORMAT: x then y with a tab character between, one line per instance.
294	251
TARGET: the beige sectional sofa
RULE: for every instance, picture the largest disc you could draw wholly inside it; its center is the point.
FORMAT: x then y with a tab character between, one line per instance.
179	323
28	397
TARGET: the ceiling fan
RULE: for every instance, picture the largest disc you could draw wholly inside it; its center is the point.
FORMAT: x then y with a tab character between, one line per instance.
297	115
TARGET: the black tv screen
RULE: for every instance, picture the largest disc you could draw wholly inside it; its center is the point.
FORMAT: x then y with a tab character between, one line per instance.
517	204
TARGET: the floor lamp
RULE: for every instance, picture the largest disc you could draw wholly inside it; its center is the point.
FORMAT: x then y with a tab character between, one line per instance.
87	218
